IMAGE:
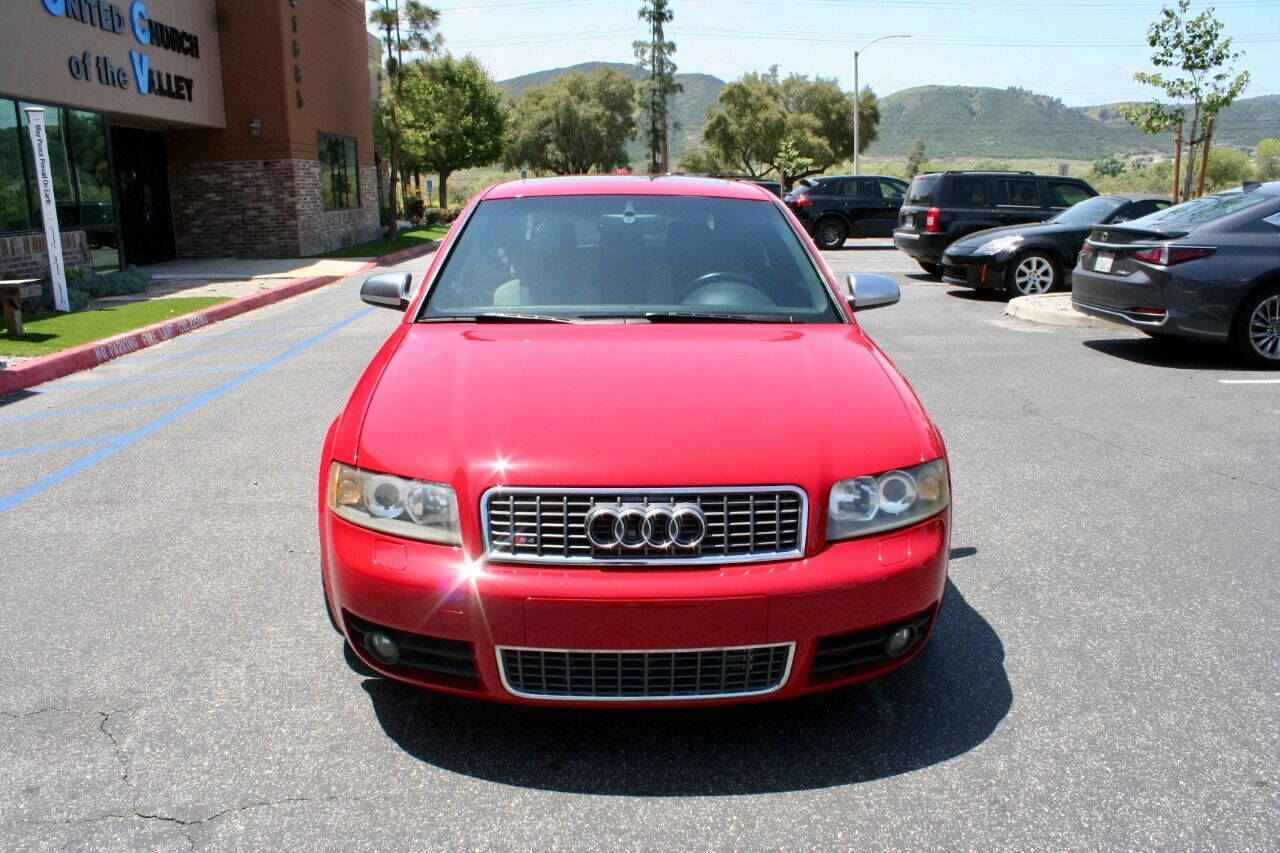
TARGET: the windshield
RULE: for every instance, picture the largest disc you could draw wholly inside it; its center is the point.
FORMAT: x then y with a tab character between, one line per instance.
920	189
618	256
1208	208
1091	211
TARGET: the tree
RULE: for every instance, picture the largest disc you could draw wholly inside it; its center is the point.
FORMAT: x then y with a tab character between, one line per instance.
915	159
1194	47
413	29
1228	167
1267	160
574	124
657	87
761	123
1108	167
454	117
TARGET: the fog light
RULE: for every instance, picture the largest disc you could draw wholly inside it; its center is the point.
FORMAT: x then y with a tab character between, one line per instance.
382	647
899	641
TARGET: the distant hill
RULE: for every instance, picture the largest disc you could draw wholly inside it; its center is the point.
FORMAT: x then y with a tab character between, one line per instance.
1242	124
965	121
688	108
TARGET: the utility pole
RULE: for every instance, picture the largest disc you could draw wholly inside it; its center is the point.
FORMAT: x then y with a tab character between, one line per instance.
857	95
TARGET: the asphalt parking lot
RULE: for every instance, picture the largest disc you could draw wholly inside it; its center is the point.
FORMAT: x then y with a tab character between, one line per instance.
1103	673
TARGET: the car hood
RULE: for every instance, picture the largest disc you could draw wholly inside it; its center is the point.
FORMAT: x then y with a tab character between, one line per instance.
1047	229
640	405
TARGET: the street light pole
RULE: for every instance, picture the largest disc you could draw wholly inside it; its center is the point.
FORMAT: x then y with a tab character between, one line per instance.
857	94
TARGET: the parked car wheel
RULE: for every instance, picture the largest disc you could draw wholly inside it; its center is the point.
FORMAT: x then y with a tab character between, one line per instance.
931	269
1031	274
1256	336
830	234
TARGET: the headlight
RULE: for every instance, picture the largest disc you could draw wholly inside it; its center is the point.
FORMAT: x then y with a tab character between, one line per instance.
893	499
999	244
415	509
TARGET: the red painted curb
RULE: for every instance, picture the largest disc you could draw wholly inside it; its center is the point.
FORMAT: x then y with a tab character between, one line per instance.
59	364
86	356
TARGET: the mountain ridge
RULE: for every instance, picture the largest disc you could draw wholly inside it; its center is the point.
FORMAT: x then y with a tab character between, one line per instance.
963	121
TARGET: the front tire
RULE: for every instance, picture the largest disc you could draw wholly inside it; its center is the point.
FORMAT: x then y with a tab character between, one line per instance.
1256	336
830	234
1032	274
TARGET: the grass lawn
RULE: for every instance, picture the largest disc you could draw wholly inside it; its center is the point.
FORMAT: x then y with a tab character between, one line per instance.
403	240
48	333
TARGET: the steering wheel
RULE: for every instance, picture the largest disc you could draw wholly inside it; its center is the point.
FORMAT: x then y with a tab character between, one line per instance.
727	288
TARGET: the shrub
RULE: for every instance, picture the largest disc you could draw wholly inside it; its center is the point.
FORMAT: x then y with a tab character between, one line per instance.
448	214
83	286
432	216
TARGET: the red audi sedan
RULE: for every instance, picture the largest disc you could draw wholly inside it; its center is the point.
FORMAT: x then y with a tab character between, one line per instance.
630	446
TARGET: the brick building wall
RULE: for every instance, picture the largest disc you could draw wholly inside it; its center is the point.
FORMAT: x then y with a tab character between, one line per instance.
263	209
27	255
322	230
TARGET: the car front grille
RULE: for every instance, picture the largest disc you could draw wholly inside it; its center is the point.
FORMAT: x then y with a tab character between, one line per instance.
955	271
645	675
549	526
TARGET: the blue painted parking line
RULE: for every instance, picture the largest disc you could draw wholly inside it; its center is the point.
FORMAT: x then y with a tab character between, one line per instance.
270	331
104	407
59	445
196	353
152	377
122	441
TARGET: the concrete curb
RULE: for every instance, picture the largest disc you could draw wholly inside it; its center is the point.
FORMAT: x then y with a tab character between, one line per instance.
1052	309
90	355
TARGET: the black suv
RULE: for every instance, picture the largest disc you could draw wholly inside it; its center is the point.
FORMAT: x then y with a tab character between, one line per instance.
832	208
942	207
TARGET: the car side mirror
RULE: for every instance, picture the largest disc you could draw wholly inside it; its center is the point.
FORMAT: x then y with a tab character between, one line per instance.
388	290
869	290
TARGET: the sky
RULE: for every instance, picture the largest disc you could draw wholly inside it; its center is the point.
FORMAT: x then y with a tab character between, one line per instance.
1082	51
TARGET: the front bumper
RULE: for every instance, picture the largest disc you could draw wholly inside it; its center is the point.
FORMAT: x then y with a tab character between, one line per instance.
458	614
977	271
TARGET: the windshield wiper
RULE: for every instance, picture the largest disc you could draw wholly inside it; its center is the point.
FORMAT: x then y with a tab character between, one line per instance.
714	317
497	317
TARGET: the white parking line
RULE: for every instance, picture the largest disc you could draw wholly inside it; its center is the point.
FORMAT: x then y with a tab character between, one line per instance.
1250	381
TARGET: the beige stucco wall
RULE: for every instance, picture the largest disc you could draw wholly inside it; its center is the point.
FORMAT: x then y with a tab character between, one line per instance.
40	54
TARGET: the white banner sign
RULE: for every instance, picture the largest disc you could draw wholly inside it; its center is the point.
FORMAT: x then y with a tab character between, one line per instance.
49	211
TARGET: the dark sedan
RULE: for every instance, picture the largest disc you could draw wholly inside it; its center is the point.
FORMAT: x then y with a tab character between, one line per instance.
1034	258
1208	269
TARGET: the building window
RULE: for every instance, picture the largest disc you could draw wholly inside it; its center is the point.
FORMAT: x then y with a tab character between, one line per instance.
339	183
81	177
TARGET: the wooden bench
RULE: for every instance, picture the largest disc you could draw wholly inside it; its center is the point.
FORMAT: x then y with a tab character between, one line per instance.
11	295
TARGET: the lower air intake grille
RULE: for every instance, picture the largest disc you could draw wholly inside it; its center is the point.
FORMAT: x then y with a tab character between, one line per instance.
419	652
839	655
645	675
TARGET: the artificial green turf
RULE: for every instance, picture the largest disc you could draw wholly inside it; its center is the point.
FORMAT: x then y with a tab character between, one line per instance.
48	333
403	240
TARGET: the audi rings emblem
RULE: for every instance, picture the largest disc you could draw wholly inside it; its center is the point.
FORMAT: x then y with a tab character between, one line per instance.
645	526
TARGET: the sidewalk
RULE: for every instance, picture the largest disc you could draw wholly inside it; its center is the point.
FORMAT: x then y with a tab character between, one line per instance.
233	277
246	283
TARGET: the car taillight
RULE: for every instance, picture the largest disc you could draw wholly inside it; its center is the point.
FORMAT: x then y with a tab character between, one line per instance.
1086	249
931	219
802	201
1166	256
